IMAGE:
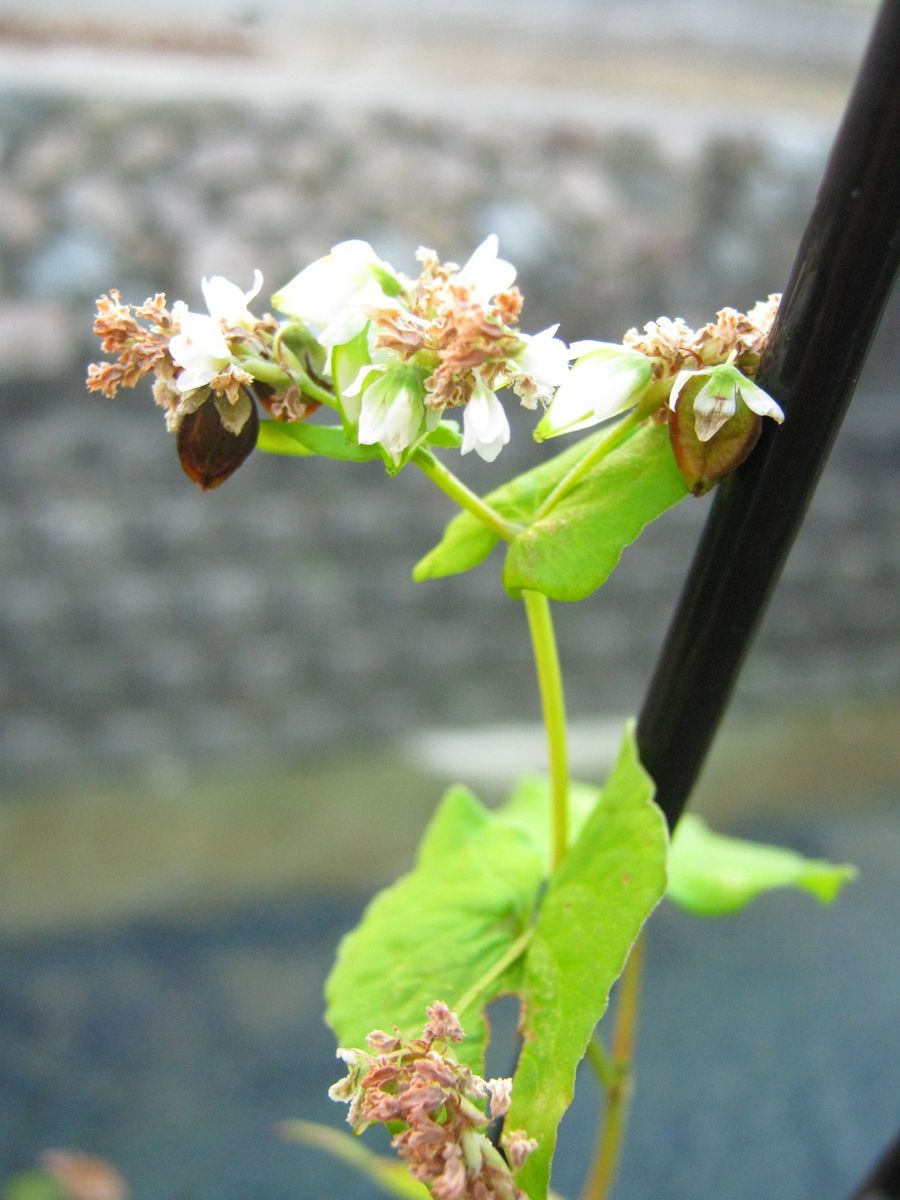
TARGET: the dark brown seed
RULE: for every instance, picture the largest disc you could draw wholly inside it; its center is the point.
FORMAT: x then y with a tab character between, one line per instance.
207	451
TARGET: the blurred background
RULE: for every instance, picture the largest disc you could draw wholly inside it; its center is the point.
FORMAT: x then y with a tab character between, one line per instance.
226	717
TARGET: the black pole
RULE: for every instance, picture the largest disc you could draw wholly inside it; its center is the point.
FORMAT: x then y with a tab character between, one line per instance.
884	1181
838	287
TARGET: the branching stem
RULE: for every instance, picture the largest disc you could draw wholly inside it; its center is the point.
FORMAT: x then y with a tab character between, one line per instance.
453	487
614	438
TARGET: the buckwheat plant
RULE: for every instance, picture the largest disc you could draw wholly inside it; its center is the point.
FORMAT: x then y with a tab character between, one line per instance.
545	896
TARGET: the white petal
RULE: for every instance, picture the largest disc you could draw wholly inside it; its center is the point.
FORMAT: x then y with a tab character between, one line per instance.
391	414
195	377
226	302
545	359
485	427
681	379
200	337
759	401
348	321
486	274
360	378
320	291
714	404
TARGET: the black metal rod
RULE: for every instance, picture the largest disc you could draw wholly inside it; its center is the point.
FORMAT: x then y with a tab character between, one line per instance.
840	281
884	1181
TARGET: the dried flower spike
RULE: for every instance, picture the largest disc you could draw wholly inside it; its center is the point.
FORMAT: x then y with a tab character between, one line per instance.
441	1105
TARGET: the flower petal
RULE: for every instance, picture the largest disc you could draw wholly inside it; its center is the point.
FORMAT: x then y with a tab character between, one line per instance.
485	427
602	384
759	401
485	274
226	302
714	404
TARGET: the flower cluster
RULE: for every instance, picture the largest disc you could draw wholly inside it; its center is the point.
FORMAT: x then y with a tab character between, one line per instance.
420	1084
393	355
194	356
650	369
445	340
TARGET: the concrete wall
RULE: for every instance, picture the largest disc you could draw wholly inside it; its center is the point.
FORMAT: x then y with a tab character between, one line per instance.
149	629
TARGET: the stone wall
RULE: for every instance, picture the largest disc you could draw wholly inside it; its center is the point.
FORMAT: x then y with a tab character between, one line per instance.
149	629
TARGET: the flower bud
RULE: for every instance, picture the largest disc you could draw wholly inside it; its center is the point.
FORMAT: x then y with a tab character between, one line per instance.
604	381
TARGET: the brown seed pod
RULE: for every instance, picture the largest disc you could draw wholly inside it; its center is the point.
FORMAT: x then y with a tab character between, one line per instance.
207	451
703	464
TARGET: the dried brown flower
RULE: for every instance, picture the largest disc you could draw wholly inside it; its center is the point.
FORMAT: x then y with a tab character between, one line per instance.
420	1083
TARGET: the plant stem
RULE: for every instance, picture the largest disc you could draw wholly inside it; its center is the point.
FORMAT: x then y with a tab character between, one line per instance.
448	483
601	1064
546	661
614	438
614	1074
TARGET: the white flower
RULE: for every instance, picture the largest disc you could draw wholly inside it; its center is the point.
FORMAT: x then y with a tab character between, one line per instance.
486	275
485	427
330	296
542	366
200	348
717	401
227	303
392	411
605	380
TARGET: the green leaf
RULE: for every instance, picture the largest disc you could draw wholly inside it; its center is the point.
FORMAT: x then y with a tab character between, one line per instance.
711	875
447	436
467	542
303	440
571	551
438	931
33	1185
591	915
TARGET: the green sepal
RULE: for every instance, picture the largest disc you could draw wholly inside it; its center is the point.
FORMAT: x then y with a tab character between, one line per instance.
303	440
346	363
574	549
711	875
305	346
595	905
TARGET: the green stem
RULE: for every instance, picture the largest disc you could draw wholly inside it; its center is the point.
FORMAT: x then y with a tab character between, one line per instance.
614	438
601	1064
516	950
614	1073
279	378
448	483
546	660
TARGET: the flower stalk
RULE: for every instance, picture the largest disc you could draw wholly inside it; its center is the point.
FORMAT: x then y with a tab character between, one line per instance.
452	486
550	685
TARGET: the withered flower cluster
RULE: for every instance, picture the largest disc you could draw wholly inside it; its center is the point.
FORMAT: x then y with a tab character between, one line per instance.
439	1101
